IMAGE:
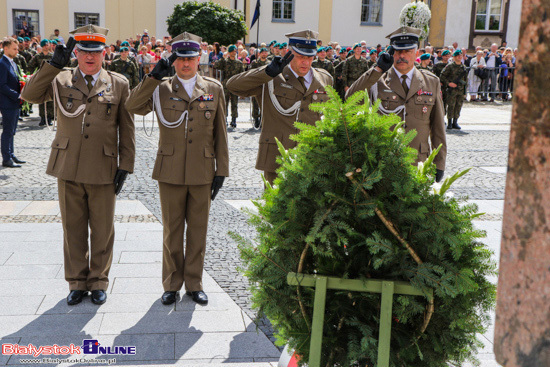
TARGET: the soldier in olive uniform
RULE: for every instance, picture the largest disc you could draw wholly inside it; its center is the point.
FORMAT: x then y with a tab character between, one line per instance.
20	59
130	55
126	67
229	67
372	58
33	65
425	63
192	160
354	67
412	94
453	78
259	62
279	86
338	69
27	52
322	63
92	153
438	68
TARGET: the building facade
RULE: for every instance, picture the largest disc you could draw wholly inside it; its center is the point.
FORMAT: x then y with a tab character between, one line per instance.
468	22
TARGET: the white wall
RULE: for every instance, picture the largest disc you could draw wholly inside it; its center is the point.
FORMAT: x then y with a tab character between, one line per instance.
306	16
86	6
163	11
27	5
346	22
457	26
514	22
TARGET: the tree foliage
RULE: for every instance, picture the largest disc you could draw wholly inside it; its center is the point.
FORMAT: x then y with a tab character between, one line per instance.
212	22
316	220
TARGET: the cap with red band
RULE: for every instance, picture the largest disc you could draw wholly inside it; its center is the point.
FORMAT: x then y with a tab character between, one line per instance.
90	37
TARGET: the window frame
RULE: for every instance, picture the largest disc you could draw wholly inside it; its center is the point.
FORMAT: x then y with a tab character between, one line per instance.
281	19
78	13
370	23
36	30
488	15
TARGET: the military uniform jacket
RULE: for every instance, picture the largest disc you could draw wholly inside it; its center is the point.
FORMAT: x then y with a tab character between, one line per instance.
423	103
324	64
90	147
287	90
126	68
36	61
229	68
258	63
196	151
438	68
454	73
353	69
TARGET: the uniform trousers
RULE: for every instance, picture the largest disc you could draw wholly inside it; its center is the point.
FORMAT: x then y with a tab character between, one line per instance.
270	176
87	267
234	104
181	205
10	118
255	108
455	99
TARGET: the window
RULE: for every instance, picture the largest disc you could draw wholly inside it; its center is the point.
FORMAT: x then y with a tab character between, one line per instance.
371	12
28	18
82	19
283	10
488	15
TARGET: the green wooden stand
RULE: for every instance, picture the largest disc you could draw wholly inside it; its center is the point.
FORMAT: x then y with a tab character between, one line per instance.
322	283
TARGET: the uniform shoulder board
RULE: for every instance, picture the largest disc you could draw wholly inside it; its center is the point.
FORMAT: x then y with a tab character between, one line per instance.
427	73
212	80
323	71
117	75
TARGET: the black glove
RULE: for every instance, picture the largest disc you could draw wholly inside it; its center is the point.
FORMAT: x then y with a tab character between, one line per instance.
163	67
385	59
217	185
438	174
278	64
62	54
120	177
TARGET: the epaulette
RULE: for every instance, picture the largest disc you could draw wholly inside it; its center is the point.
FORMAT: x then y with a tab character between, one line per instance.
427	73
117	75
323	71
212	80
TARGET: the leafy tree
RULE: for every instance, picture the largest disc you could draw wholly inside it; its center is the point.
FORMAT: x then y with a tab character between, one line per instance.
212	22
349	203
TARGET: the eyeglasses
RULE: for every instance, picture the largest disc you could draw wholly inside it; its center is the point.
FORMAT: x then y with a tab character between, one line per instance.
90	53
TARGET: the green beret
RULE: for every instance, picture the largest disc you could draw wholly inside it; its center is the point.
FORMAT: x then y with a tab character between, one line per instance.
343	49
272	43
26	39
446	52
125	43
356	45
44	42
263	49
328	48
284	45
350	53
373	51
53	42
363	51
122	49
232	48
425	57
277	45
321	49
457	52
20	39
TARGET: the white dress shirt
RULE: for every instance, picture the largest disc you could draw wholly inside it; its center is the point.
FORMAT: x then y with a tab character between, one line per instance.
308	78
409	76
95	76
189	84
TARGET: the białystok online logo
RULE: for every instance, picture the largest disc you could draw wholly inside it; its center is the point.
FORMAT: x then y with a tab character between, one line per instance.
89	346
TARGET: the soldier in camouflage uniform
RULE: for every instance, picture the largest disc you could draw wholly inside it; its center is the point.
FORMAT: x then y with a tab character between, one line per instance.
130	56
438	68
33	65
260	61
229	67
453	78
27	52
425	63
372	58
322	63
124	66
354	67
338	68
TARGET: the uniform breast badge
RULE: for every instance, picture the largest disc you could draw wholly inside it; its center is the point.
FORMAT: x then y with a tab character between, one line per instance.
425	109
100	97
207	115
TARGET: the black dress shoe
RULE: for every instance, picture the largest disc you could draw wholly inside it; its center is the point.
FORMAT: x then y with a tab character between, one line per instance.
99	297
18	160
168	297
199	297
75	297
10	164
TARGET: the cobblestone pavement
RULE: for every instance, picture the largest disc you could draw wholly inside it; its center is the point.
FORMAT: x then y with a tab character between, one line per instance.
482	144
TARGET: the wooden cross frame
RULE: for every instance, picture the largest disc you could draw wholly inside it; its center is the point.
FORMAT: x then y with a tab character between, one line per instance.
385	287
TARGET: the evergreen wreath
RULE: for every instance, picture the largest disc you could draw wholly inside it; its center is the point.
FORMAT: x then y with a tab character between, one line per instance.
349	203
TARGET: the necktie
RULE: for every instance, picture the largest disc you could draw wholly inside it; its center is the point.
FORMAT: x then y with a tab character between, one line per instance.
404	84
89	80
302	82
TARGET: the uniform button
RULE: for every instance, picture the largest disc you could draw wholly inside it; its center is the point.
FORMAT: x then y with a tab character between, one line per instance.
191	108
173	106
284	94
211	154
56	145
89	112
89	100
304	98
190	119
87	124
190	141
301	110
190	129
85	136
267	140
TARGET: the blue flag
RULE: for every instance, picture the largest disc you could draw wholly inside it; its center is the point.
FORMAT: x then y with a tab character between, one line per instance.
256	14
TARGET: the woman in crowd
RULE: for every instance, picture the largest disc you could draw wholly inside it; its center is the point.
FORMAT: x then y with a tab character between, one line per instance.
477	62
214	56
243	56
109	54
506	74
144	60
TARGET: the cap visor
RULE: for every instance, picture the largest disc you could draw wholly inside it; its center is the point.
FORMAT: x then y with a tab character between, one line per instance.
304	51
187	53
88	47
404	46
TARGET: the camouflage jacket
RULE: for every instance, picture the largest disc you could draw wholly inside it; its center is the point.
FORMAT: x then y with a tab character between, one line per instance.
429	68
353	69
27	54
21	62
324	64
370	63
258	63
36	61
438	68
229	68
338	69
131	58
128	69
454	73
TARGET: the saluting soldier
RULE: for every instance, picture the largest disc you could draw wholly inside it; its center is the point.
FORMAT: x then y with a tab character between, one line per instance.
322	63
412	94
285	88
92	153
338	70
124	66
259	62
229	67
32	66
453	79
425	63
192	159
354	67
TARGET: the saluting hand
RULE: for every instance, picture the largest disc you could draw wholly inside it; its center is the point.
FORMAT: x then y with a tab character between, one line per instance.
163	67
278	64
385	59
62	54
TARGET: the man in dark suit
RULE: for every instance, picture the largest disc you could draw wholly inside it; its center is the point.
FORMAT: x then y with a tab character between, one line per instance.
10	101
